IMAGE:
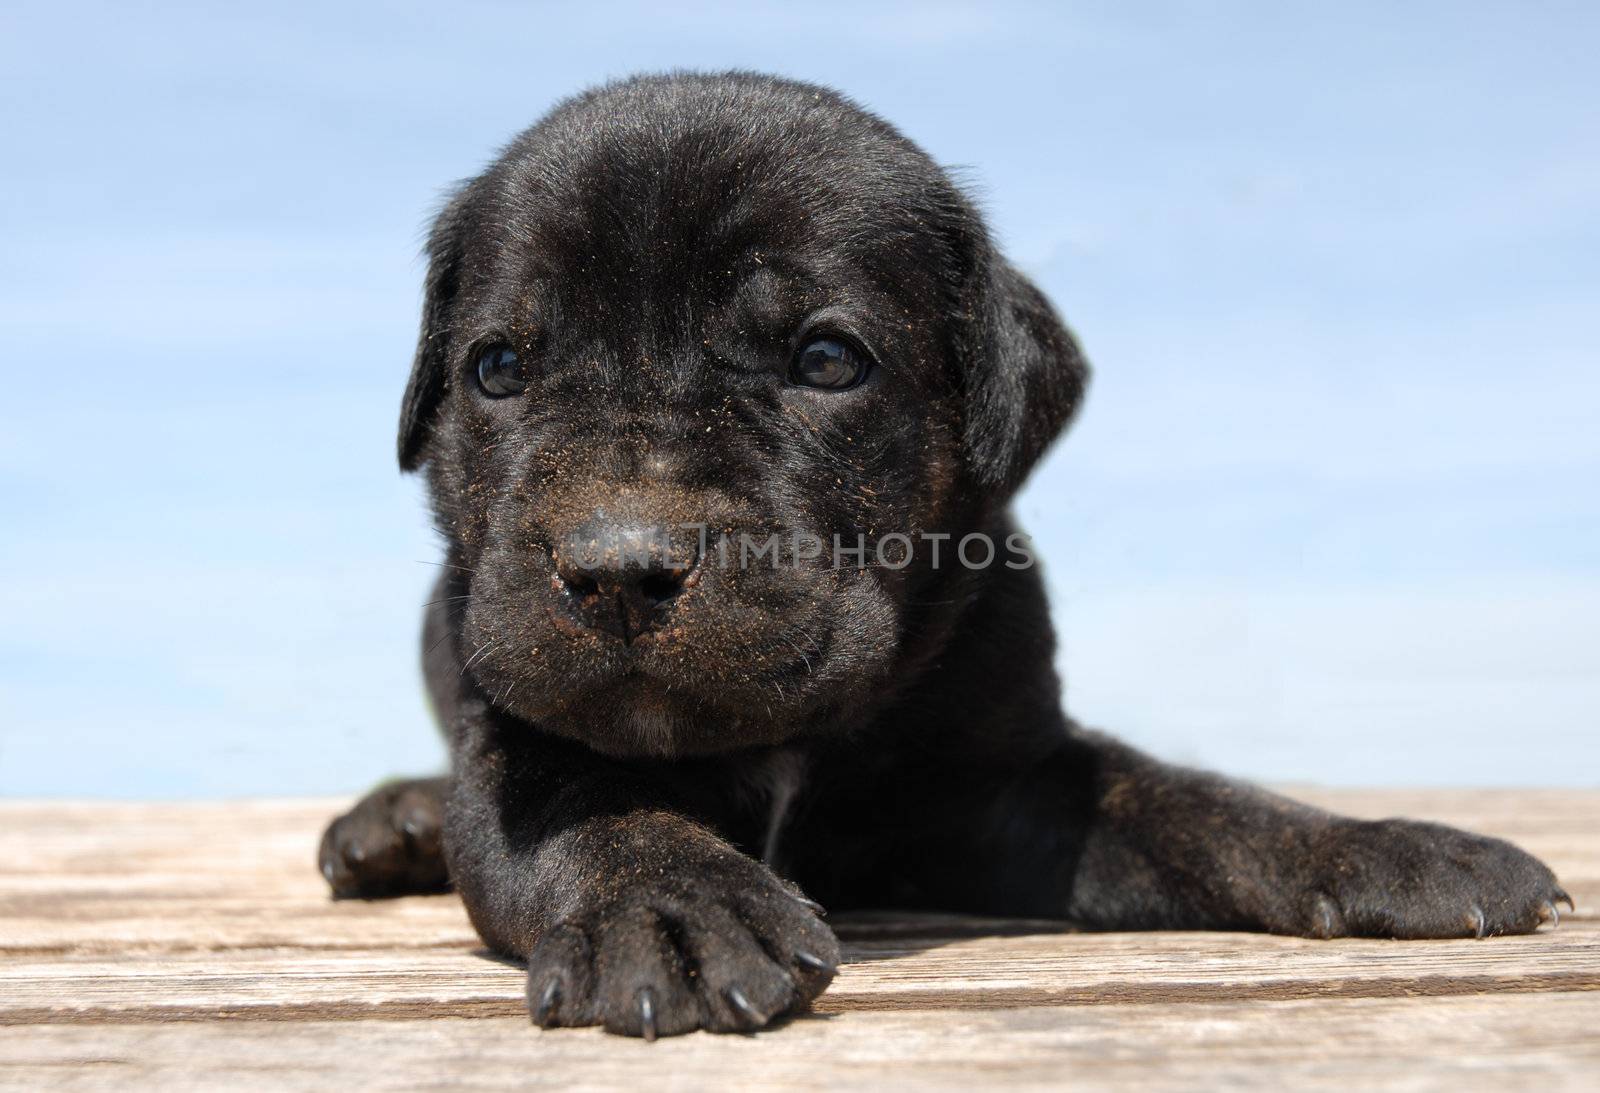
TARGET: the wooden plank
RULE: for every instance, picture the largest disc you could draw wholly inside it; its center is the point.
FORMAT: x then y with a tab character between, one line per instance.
119	878
1465	1043
194	946
911	973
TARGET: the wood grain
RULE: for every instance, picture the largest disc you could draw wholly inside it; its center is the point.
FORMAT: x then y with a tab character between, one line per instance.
193	946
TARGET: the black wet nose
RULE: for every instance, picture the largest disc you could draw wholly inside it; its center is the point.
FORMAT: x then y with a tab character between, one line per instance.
622	579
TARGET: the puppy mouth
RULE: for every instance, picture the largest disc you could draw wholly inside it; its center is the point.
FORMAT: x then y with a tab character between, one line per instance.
628	627
642	702
672	655
778	668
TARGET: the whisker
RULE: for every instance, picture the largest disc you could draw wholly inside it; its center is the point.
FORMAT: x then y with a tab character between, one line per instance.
482	649
816	646
799	651
445	565
448	633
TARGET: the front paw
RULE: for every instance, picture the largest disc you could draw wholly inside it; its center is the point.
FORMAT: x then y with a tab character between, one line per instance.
730	950
1404	879
389	844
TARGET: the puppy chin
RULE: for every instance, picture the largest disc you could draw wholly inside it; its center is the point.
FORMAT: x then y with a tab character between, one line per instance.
655	723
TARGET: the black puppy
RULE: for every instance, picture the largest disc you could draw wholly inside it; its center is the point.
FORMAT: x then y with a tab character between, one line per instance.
722	393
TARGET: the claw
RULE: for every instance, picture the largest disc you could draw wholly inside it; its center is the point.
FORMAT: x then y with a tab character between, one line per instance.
1480	925
811	905
1326	918
647	1013
738	1001
1552	915
812	962
547	1003
1562	897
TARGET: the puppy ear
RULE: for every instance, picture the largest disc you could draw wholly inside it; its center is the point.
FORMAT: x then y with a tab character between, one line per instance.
430	366
1024	378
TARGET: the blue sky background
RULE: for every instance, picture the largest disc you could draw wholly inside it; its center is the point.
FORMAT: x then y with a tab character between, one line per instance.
1331	513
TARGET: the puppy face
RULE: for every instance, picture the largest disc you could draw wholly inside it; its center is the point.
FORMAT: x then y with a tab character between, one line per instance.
687	338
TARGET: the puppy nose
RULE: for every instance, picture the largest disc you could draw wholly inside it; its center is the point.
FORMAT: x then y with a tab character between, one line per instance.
622	579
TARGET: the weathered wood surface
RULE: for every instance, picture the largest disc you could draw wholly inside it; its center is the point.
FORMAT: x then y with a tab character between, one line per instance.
192	947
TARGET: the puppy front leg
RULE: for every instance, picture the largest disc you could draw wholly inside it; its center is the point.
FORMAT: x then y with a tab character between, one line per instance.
1165	847
630	913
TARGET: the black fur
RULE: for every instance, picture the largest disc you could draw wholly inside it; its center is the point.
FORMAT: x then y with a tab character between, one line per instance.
639	818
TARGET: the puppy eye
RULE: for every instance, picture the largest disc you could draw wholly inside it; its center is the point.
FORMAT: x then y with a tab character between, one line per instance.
500	371
828	364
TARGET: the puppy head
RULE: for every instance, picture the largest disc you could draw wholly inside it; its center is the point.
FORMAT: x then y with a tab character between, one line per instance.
695	351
